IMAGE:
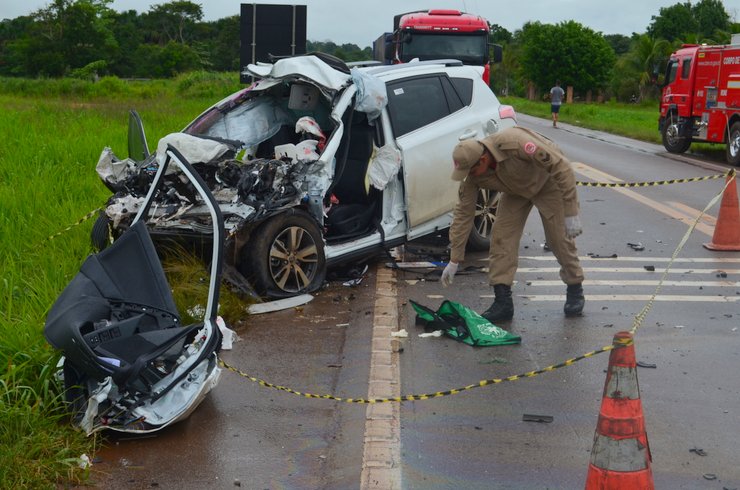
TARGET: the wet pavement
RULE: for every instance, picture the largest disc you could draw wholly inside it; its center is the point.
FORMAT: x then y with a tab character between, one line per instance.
249	436
245	435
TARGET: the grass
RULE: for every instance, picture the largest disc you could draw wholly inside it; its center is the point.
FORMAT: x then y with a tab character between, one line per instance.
638	121
53	133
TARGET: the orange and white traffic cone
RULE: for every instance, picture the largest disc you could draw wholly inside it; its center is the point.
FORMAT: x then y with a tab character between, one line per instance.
620	457
727	230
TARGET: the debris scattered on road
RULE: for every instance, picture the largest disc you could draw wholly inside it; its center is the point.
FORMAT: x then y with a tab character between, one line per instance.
495	360
646	365
722	274
597	256
229	336
84	462
636	246
709	476
279	304
352	282
356	277
401	333
436	333
650	268
544	419
699	451
679	326
415	265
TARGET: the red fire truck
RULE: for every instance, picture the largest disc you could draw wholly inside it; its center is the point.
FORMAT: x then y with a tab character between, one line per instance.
438	34
701	98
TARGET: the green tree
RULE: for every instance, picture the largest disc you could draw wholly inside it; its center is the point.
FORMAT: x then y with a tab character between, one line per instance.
499	35
67	34
673	22
127	29
174	21
711	17
637	71
619	43
682	20
219	41
12	49
569	52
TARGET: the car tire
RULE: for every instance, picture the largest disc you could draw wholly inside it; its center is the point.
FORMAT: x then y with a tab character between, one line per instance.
672	140
285	255
733	145
100	233
77	390
485	214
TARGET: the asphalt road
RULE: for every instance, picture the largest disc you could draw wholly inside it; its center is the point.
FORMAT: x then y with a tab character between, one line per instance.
249	436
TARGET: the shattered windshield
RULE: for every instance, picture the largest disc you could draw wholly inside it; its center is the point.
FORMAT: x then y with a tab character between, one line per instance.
251	117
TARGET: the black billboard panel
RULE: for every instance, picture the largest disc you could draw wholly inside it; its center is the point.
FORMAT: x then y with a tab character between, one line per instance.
271	30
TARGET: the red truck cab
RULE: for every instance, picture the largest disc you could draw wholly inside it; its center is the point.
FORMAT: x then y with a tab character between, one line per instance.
439	34
701	99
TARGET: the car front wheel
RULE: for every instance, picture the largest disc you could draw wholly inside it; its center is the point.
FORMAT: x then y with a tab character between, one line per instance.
485	214
285	256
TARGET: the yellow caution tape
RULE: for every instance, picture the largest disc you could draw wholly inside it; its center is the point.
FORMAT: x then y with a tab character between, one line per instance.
77	223
656	182
427	396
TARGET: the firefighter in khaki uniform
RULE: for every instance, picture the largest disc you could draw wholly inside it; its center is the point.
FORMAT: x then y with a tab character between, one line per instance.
528	169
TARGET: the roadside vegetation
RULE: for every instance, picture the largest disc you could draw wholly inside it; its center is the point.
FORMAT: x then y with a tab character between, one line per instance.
62	104
55	130
53	134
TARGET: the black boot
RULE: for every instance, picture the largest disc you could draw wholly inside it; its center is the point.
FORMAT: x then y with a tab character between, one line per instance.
503	307
574	300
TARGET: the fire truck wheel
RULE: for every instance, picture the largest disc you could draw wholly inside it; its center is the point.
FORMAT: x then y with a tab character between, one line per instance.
733	145
672	139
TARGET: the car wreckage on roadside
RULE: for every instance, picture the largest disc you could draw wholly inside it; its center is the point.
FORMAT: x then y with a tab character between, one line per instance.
128	363
314	164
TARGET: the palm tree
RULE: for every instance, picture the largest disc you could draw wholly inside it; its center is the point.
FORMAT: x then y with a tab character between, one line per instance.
645	58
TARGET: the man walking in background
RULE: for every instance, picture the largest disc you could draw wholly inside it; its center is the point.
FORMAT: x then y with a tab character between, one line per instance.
556	99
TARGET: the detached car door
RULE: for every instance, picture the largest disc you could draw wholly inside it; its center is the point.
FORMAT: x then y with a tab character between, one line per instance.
428	116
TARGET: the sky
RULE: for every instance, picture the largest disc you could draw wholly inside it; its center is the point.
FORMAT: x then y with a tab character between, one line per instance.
361	22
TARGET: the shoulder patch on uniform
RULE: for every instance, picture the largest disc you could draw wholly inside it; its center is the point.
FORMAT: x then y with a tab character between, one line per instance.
530	148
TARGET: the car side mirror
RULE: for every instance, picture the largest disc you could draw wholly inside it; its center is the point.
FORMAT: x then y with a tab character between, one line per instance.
496	53
138	150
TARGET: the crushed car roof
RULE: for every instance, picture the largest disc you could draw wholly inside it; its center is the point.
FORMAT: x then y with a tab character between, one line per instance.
305	67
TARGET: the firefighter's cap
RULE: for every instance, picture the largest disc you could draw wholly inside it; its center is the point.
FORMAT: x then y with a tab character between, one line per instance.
465	155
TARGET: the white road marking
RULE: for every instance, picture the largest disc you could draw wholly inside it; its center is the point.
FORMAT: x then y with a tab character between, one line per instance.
691	260
631	297
632	269
381	458
639	282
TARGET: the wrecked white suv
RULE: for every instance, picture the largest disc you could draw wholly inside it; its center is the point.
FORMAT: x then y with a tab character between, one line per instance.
315	164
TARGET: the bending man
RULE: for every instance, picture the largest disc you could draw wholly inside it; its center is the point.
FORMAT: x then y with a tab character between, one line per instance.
528	169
